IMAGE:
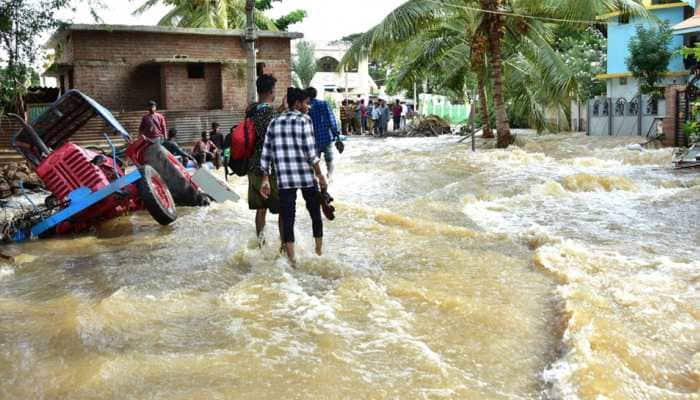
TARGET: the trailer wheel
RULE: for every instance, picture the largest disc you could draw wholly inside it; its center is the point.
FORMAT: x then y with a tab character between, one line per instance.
156	196
175	176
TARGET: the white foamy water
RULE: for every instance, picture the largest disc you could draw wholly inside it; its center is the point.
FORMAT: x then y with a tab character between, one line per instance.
6	272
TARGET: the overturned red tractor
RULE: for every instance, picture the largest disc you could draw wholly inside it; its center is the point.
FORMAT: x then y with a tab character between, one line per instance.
88	186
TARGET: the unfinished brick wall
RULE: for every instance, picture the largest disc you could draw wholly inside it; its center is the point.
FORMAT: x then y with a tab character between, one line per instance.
277	56
109	84
184	93
112	68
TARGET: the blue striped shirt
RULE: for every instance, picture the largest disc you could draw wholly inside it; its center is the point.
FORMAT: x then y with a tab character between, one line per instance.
325	124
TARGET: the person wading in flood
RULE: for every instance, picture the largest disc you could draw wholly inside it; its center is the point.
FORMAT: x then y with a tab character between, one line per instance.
290	146
325	128
262	114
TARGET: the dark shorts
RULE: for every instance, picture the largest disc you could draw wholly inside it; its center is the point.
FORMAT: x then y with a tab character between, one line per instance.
255	199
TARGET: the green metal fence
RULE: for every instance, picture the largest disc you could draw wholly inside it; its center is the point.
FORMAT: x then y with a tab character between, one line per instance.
36	110
440	106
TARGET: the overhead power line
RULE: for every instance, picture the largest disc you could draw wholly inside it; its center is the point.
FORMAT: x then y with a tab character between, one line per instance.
536	17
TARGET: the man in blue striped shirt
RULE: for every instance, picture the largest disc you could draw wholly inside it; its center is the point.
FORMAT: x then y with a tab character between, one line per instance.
325	128
290	147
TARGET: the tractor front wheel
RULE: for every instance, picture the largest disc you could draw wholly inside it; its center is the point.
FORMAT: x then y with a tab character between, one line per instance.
175	176
156	196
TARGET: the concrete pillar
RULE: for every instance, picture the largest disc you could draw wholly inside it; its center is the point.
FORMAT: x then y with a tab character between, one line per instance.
363	71
640	115
610	115
588	117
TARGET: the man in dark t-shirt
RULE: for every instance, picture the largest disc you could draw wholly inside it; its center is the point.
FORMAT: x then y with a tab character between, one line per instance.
262	113
216	136
171	145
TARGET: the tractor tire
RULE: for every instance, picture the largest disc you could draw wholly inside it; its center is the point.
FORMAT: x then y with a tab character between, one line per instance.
184	193
156	197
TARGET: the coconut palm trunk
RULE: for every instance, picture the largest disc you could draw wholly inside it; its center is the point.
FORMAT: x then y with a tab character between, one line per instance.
495	33
484	109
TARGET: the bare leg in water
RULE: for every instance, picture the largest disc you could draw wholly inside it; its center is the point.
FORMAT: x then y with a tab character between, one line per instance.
289	247
319	246
330	169
291	254
260	221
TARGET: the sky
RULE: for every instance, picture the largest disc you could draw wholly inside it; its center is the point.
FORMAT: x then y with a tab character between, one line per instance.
327	20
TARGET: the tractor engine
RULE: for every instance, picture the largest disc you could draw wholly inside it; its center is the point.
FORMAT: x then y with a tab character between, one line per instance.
70	167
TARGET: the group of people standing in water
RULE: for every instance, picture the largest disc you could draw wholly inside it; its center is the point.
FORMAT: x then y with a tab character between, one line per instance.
371	119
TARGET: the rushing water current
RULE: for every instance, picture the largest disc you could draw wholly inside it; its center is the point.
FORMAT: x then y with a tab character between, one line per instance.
566	268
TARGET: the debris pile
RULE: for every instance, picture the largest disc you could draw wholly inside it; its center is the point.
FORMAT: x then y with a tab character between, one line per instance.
431	125
15	175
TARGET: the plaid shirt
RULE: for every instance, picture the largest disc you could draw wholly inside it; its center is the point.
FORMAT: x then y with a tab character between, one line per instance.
290	145
325	125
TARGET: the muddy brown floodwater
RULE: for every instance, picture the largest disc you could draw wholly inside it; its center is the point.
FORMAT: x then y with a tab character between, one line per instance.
563	268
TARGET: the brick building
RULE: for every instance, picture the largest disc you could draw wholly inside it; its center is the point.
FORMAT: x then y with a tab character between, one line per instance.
124	66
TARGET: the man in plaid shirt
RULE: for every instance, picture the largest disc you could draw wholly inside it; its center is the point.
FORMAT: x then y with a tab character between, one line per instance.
290	146
325	128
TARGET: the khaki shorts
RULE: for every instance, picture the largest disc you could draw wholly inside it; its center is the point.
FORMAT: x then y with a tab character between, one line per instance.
255	199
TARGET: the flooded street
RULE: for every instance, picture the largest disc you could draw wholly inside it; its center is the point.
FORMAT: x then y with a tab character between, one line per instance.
563	268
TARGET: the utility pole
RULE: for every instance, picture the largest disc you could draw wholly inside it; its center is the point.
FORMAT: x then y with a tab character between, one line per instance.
415	96
345	69
250	37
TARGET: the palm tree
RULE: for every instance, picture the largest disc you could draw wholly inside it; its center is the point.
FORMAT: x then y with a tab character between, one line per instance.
220	14
491	28
500	38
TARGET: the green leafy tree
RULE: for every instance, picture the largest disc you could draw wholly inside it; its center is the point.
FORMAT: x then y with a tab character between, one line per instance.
282	23
220	14
22	23
304	64
650	53
586	55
